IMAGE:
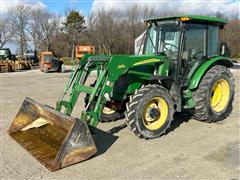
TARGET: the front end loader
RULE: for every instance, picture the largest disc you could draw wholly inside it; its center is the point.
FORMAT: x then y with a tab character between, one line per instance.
181	68
9	62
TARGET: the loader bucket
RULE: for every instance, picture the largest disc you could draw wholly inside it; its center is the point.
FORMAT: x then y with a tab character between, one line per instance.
53	138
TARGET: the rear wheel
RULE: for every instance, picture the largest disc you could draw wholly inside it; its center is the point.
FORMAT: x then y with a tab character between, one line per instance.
150	111
214	96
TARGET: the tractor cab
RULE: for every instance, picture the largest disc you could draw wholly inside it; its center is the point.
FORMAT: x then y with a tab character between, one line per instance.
5	54
50	63
186	41
7	61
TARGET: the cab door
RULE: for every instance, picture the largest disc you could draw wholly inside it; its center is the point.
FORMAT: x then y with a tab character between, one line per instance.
194	50
200	43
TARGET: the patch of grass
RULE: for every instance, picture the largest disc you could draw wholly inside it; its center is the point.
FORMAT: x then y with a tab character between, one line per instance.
68	61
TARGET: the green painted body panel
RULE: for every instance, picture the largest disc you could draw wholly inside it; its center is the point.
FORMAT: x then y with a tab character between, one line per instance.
187	95
120	64
196	78
138	69
193	18
164	68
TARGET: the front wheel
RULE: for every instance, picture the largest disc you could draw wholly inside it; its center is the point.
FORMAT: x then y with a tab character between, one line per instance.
45	69
214	96
63	68
150	111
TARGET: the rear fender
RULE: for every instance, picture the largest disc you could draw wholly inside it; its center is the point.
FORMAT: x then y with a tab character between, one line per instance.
200	72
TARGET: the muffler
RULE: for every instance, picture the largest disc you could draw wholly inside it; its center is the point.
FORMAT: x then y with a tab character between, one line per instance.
53	138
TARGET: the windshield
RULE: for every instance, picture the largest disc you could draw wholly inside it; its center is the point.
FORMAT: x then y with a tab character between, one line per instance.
163	38
29	51
85	52
3	52
48	58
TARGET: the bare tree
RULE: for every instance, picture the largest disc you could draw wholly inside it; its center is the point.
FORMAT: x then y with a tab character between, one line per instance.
114	32
19	17
6	32
49	25
231	35
43	27
133	16
148	12
35	29
101	27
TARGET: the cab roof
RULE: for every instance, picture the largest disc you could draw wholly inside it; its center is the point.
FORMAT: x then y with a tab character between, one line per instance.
191	18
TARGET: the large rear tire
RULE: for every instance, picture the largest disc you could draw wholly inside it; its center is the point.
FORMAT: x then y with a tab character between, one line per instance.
215	94
150	111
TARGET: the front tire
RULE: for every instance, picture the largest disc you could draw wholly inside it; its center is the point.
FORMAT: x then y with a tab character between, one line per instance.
45	69
150	111
214	96
62	68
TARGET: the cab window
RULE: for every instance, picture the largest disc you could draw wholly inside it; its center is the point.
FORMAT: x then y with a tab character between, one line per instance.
212	40
194	41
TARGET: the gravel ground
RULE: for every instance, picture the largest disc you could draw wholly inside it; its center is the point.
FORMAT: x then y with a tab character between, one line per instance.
192	150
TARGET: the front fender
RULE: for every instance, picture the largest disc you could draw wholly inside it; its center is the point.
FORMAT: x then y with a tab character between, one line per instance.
197	76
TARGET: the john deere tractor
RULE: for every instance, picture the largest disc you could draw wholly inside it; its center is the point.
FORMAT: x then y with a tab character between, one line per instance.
182	68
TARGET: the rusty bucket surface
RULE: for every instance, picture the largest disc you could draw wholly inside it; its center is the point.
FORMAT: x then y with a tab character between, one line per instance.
53	138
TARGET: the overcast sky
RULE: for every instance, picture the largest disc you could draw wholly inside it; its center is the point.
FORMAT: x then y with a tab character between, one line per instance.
185	6
227	7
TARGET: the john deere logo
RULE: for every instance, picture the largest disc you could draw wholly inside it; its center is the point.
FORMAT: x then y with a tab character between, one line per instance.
121	66
146	61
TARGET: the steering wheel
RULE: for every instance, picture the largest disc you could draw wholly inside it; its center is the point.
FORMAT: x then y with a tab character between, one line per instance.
171	47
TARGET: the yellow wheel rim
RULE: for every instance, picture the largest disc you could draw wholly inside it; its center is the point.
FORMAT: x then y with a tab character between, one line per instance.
110	109
107	110
220	95
155	113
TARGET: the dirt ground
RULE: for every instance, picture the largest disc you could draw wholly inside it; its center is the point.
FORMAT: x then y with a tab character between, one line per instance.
191	150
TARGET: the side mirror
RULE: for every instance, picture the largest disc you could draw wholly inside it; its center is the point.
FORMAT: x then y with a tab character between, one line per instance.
224	49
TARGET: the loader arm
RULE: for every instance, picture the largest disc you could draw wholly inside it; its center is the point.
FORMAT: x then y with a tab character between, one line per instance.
77	85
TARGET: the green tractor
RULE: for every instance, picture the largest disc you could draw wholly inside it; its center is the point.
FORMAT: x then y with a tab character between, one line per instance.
182	68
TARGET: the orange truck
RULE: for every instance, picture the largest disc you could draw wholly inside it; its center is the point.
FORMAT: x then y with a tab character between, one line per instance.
49	63
81	50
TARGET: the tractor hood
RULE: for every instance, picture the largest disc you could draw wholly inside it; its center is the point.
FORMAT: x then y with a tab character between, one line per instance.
120	64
